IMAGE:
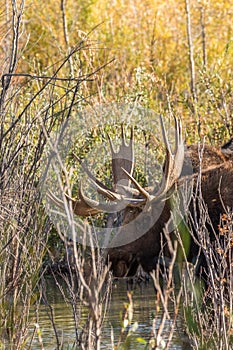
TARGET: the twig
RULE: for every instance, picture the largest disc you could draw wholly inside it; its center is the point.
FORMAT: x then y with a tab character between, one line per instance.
66	36
192	64
203	35
191	51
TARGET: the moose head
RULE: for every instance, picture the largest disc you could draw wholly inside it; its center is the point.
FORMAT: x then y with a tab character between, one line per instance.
144	212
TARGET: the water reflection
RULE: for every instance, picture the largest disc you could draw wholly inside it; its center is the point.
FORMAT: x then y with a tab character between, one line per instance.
144	308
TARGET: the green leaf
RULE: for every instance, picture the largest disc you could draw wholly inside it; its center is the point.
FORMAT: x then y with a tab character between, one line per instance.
141	341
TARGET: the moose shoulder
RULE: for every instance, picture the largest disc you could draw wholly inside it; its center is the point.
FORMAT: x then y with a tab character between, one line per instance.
140	237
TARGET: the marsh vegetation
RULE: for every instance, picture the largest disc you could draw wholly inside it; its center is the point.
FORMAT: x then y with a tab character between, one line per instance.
57	59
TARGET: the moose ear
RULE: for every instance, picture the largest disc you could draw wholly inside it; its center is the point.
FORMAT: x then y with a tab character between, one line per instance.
227	148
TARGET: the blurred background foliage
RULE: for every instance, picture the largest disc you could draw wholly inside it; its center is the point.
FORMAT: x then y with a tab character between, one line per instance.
149	44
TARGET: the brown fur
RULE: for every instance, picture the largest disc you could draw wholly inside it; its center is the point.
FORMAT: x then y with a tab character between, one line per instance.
217	190
205	157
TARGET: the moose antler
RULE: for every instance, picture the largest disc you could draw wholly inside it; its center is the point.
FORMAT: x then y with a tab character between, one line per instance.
172	167
122	166
121	195
122	160
80	206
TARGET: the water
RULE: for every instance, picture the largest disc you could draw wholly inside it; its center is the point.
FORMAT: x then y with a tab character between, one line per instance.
144	309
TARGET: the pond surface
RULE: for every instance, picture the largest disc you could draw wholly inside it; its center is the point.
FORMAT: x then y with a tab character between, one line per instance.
144	308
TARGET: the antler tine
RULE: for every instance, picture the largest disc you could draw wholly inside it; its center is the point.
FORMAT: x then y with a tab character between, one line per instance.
80	206
165	138
138	186
131	140
173	164
111	195
179	154
123	158
131	191
177	135
101	188
123	134
86	206
119	203
99	208
90	175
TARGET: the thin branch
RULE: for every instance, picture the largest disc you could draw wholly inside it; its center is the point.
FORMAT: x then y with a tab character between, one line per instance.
191	51
66	35
192	62
203	35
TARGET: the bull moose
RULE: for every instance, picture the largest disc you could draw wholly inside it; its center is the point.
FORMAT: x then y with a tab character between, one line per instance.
140	237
